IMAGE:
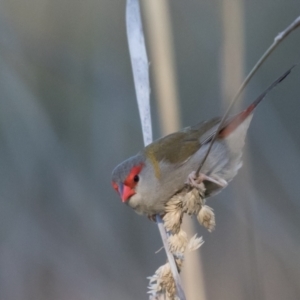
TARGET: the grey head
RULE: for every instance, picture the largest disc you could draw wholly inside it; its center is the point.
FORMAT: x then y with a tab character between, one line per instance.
125	176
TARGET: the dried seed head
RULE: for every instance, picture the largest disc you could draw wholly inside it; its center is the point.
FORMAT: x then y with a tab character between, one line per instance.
172	221
178	242
162	284
192	202
189	200
195	243
179	262
175	203
173	216
206	217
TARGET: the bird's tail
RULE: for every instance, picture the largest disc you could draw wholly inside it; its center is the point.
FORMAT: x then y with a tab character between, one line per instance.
235	121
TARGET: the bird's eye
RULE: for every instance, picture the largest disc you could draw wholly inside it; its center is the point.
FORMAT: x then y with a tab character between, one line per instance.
136	178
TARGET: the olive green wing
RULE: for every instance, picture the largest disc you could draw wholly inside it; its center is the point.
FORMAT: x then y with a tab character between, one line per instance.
178	147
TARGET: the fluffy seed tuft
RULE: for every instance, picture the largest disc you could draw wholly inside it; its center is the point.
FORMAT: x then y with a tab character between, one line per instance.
195	243
206	217
192	202
178	242
162	284
173	216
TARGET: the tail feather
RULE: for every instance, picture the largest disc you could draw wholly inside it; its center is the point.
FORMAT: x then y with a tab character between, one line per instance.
235	121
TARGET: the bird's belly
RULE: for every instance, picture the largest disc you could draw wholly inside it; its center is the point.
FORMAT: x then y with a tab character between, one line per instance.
143	207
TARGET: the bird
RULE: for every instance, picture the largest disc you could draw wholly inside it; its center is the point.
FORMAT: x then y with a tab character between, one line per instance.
147	180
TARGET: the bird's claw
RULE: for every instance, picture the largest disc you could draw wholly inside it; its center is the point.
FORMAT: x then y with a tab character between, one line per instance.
197	181
153	217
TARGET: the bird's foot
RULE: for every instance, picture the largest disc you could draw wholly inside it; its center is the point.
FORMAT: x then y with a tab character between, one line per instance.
153	217
197	181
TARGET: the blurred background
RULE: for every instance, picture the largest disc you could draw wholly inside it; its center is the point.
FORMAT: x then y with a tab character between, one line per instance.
68	115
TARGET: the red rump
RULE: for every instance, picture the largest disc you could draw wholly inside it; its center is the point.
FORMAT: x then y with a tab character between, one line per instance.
236	121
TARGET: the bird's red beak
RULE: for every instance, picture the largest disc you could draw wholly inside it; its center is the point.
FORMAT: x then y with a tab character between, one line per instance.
125	192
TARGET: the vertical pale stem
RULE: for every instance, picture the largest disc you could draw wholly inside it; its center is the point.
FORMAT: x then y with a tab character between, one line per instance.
162	59
192	273
232	56
232	74
139	63
232	77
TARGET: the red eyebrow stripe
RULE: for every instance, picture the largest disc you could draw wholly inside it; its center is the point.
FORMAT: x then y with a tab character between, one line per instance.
134	171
